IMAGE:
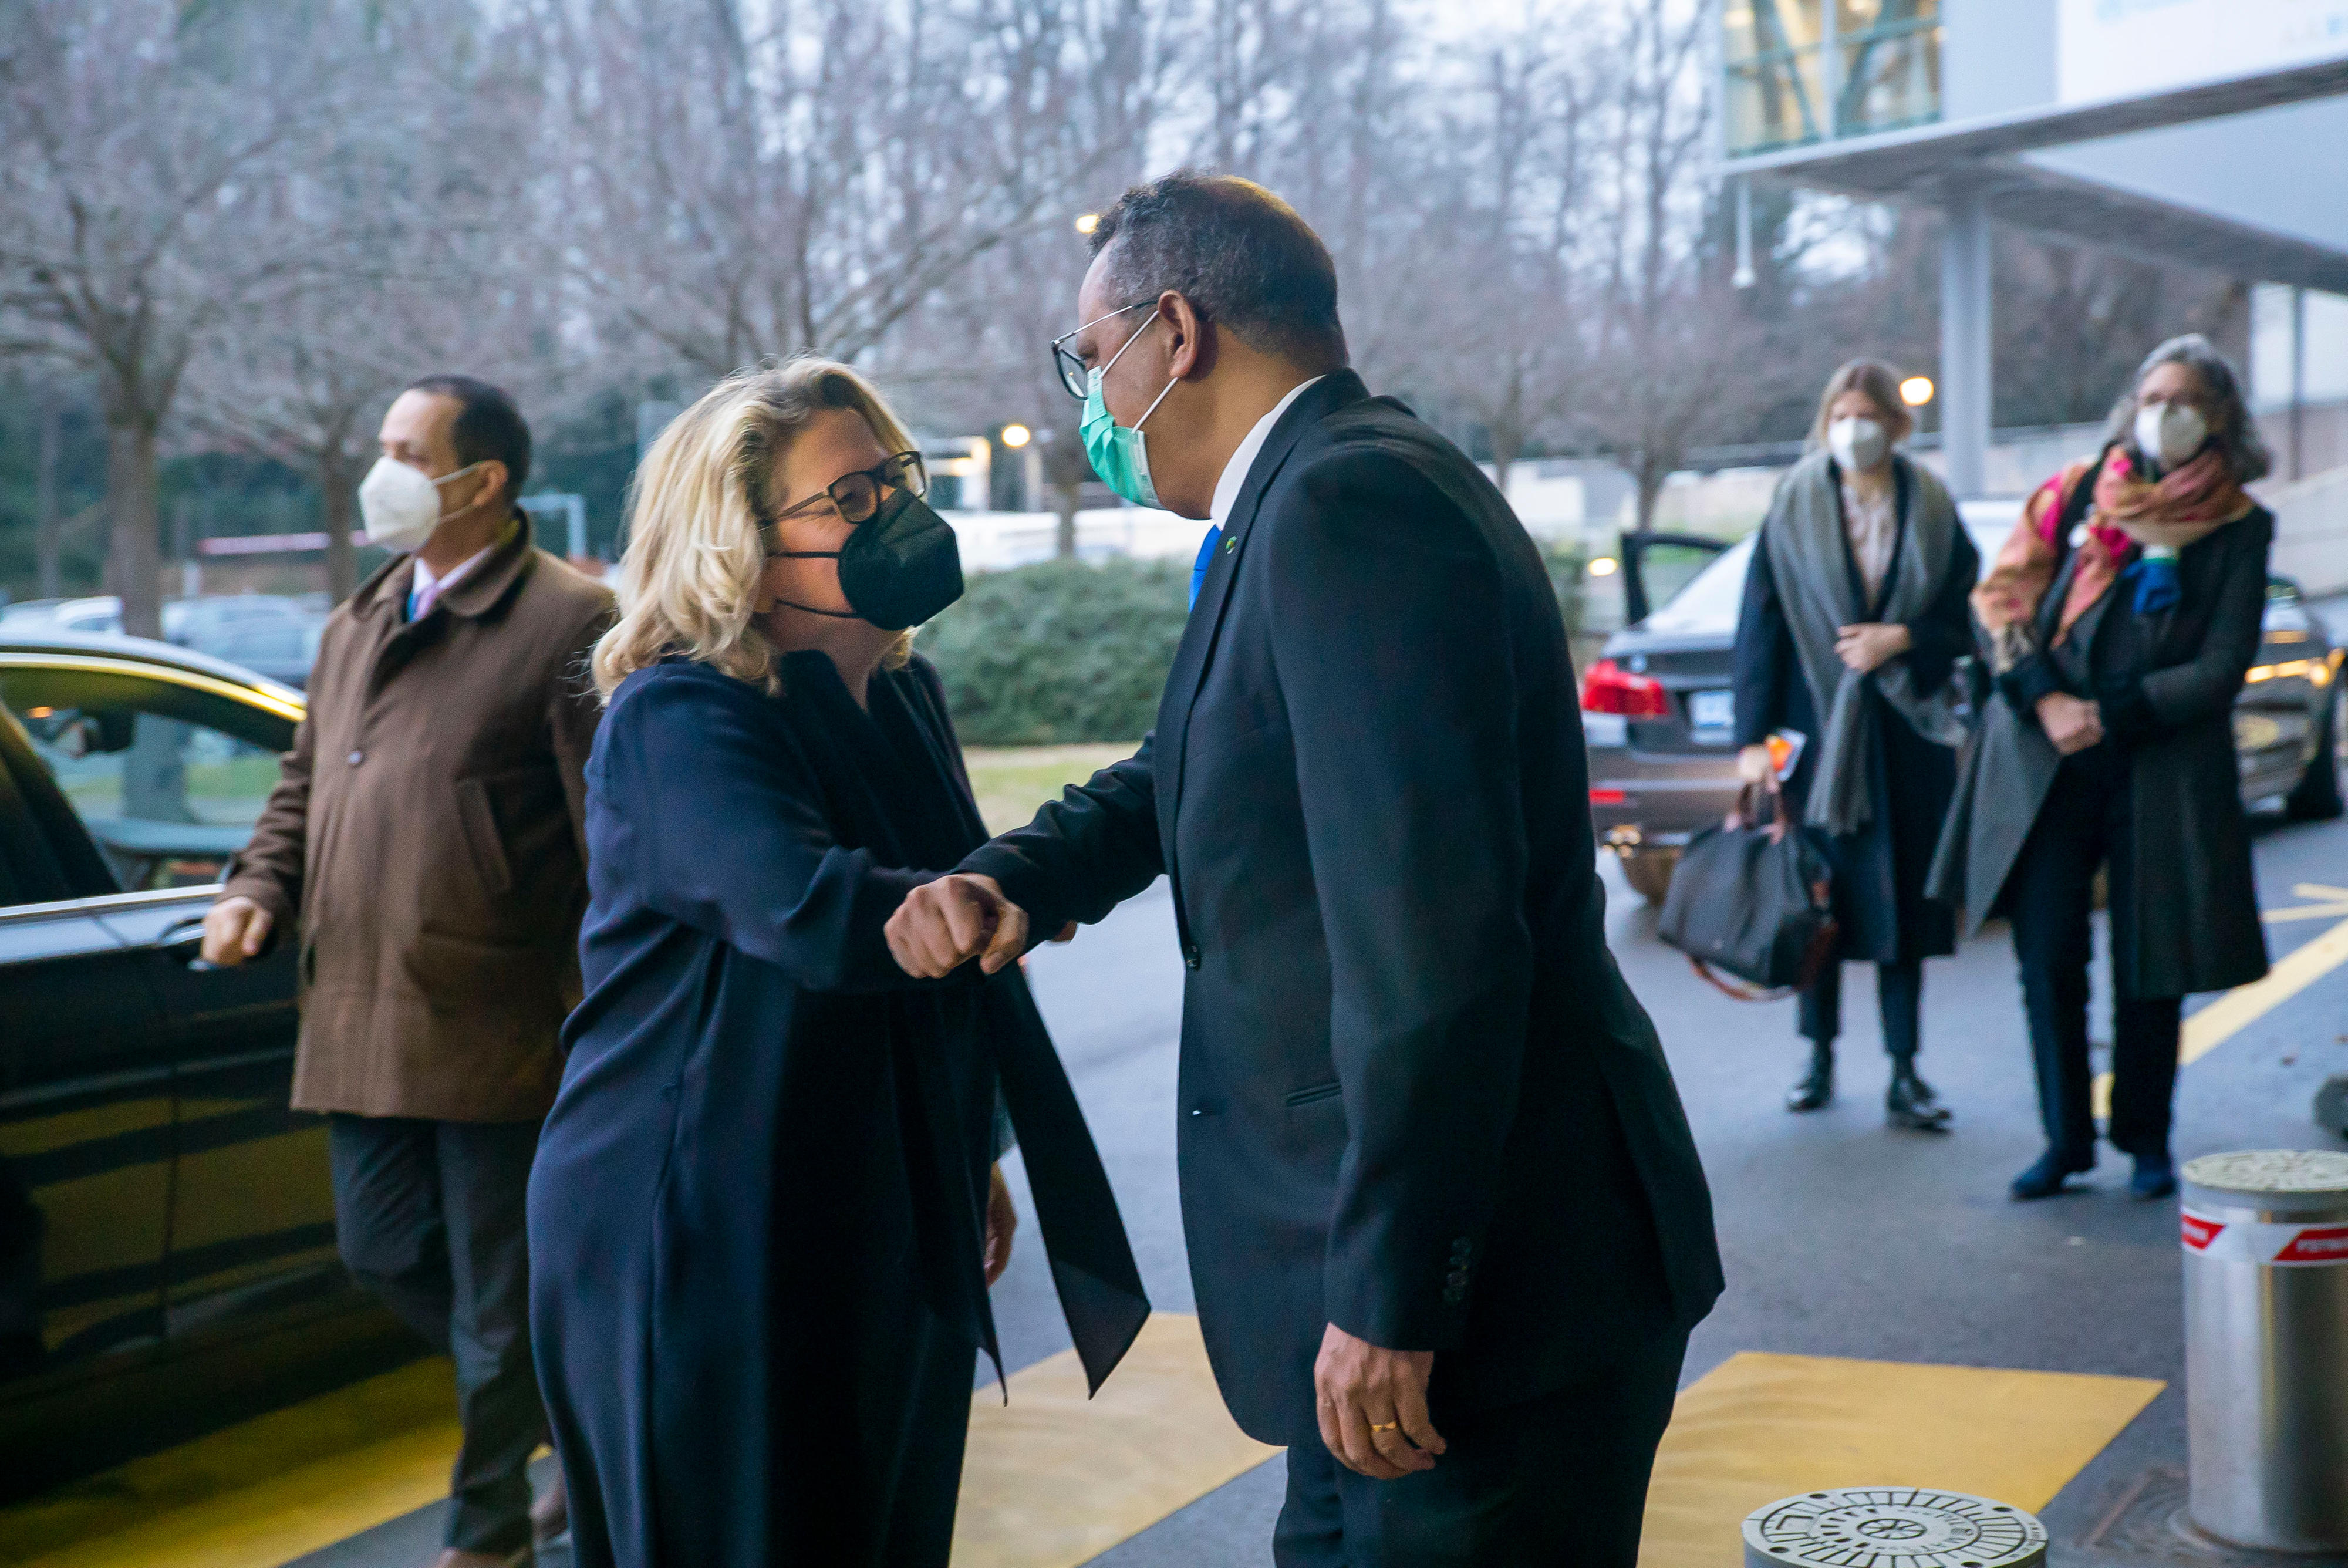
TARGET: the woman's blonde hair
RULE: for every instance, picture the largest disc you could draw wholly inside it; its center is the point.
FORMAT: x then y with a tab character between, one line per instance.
1880	384
690	574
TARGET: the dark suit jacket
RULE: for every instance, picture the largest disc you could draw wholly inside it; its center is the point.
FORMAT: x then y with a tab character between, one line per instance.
1417	1099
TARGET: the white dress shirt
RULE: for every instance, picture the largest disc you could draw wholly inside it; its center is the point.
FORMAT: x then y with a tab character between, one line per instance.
1235	473
427	588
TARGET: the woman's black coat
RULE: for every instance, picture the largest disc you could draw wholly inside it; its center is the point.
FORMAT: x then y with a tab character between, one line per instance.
1878	872
756	1215
2166	683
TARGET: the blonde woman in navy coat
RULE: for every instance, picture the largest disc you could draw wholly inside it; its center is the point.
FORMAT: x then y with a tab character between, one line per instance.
762	1218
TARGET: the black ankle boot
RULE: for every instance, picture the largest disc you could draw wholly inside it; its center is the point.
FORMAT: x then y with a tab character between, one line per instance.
1817	1086
1910	1102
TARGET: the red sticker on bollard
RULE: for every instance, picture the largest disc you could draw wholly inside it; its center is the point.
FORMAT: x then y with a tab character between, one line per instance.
2263	1241
2198	1232
2317	1244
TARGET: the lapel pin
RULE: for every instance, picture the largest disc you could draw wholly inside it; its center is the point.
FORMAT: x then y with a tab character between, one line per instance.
1231	544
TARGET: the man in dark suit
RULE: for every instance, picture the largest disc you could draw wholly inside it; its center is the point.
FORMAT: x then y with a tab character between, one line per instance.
1446	1219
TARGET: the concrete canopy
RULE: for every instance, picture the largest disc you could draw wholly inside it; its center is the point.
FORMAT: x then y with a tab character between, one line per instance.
2029	169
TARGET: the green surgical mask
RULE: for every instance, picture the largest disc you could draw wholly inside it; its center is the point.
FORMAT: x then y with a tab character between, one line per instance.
1119	455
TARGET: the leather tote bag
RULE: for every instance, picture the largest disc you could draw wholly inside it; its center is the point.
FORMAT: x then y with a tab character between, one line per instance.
1749	899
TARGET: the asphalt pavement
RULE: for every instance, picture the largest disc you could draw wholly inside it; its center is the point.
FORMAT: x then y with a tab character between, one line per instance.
1842	1236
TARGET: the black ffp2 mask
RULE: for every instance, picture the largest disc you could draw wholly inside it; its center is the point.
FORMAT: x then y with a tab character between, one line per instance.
900	567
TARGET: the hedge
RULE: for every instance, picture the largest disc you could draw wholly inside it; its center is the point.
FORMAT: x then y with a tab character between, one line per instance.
1060	652
1068	651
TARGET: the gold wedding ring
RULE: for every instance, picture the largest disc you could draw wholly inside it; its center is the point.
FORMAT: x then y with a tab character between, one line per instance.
1384	1426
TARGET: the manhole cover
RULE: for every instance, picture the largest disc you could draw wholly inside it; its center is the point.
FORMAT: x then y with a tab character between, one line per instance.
1892	1527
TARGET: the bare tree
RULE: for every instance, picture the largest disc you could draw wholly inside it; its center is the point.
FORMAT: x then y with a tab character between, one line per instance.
1673	341
420	201
153	157
745	184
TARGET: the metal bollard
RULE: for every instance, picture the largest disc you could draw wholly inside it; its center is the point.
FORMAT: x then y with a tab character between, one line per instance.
1909	1526
2266	1347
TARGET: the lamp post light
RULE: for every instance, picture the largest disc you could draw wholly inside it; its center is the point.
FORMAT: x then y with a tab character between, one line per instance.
1916	391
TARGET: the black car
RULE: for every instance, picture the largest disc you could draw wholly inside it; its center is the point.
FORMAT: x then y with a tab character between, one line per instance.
167	1239
1661	720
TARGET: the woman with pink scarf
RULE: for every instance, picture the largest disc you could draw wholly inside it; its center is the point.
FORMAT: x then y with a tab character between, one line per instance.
2119	619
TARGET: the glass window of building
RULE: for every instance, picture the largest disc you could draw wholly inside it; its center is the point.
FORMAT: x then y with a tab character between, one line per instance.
1890	64
1797	71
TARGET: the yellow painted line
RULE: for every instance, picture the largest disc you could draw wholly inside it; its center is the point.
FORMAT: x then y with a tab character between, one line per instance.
2238	1010
1054	1479
1758	1427
260	1493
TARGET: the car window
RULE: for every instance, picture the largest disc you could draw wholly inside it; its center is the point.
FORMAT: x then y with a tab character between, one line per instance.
167	779
1709	602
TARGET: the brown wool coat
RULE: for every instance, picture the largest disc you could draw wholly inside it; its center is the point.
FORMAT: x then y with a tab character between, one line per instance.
427	834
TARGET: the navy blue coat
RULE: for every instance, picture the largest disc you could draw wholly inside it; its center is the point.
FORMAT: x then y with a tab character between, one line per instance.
1417	1099
757	1207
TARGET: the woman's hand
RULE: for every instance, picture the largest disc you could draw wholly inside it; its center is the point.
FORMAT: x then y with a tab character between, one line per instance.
2070	723
1753	764
1002	1219
1864	646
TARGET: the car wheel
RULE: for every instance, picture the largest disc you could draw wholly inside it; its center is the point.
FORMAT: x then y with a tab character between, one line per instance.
1648	872
2317	796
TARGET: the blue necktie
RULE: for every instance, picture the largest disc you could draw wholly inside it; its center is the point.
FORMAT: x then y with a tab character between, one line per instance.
1206	558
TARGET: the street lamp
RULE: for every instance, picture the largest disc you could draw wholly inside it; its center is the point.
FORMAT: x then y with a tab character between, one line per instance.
1916	391
1017	436
1088	222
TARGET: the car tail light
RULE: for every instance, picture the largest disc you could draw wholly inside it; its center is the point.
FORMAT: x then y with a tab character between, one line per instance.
1604	797
1611	688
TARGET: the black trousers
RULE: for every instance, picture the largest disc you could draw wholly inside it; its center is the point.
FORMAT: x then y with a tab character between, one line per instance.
430	1216
1557	1480
1898	993
2049	896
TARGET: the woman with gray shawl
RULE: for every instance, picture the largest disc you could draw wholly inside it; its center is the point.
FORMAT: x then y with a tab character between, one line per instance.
1854	618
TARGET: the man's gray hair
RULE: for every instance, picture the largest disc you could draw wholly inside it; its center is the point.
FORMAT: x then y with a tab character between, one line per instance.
2227	410
1240	254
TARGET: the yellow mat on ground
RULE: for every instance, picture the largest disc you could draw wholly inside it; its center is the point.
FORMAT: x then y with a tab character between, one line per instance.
261	1492
1055	1478
1758	1427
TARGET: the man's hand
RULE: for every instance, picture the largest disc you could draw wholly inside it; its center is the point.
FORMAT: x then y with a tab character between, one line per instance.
235	929
945	924
1370	1400
2070	723
1870	644
1754	763
1002	1220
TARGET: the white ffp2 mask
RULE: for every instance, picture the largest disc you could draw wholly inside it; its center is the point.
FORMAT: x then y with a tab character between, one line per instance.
401	506
2169	433
1858	443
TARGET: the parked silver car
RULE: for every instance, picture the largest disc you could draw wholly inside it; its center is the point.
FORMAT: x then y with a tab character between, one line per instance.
272	634
1661	718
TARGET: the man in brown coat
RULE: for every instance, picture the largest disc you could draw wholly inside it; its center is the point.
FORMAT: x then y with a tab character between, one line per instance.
425	835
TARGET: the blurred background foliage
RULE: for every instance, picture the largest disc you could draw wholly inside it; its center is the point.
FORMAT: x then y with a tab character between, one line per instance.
1060	652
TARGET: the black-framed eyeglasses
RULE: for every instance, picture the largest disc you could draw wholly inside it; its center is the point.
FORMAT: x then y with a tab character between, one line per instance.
857	496
1074	375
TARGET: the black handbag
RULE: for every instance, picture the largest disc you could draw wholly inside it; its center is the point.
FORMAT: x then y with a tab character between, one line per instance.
1750	897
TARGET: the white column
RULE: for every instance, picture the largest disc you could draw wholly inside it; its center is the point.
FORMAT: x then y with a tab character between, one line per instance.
1964	393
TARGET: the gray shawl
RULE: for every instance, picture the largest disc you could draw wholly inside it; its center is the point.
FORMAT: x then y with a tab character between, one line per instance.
1811	559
